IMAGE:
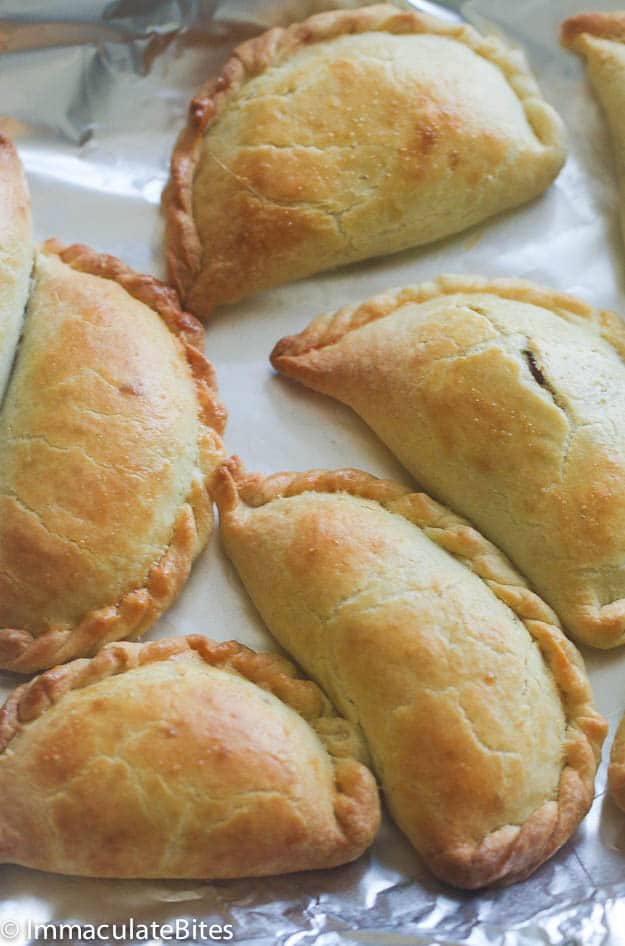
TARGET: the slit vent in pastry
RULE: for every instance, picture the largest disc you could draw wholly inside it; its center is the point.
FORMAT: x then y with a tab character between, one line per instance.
356	133
475	706
180	758
109	431
504	400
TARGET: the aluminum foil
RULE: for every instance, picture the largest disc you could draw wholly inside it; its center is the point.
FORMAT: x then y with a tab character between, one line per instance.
93	92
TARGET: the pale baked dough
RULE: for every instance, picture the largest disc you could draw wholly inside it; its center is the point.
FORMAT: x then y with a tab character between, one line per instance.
476	708
180	758
108	434
600	39
616	769
504	400
16	255
353	134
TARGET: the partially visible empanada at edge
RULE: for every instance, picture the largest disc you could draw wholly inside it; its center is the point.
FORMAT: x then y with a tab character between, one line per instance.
504	401
475	706
109	431
356	133
600	39
180	758
16	255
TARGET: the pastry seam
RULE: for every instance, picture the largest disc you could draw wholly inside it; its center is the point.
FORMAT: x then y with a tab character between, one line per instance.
184	249
271	672
140	606
328	329
541	834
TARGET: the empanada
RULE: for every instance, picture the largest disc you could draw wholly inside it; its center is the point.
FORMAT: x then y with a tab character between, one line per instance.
354	134
108	433
600	39
505	402
180	758
475	706
16	254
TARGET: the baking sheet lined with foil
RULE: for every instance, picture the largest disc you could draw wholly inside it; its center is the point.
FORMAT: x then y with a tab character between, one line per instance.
93	93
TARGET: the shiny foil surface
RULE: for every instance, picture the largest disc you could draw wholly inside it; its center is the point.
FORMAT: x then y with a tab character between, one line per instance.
94	92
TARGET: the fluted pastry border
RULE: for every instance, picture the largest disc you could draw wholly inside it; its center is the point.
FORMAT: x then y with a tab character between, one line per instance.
271	672
512	852
137	609
326	330
183	245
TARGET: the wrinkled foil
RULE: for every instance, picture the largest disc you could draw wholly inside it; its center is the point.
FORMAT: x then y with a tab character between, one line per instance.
94	92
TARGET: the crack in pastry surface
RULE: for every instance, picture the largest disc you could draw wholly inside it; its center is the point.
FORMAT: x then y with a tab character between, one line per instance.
188	758
503	400
278	175
107	442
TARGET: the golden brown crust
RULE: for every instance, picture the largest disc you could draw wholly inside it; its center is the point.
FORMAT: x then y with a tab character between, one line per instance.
261	829
515	851
601	25
24	651
163	300
184	250
602	625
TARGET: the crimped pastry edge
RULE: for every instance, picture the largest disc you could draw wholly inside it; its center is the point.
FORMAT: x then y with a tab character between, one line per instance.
182	240
329	328
137	609
512	852
606	628
601	25
354	783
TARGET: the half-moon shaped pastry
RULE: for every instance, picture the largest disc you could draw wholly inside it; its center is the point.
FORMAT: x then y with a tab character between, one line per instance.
16	255
108	434
475	706
182	758
356	133
600	39
505	402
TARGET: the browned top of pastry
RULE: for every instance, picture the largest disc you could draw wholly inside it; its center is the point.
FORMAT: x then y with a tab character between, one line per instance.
108	433
356	133
186	758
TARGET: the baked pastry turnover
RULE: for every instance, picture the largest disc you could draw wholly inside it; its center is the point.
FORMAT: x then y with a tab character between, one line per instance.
475	706
504	400
184	758
354	134
108	433
600	39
